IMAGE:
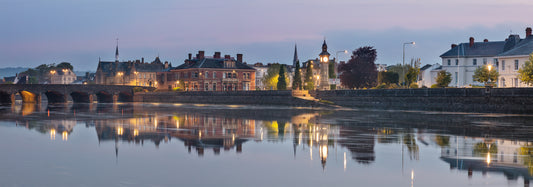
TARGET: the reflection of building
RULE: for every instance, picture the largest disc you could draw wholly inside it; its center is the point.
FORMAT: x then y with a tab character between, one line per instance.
210	74
512	158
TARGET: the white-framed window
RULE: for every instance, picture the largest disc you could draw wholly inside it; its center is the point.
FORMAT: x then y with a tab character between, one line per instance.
515	64
456	62
449	62
503	64
474	62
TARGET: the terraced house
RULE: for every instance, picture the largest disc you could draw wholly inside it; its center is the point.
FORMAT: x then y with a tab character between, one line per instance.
506	56
209	74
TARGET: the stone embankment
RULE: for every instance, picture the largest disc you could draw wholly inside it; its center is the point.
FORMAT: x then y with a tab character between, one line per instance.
283	98
484	100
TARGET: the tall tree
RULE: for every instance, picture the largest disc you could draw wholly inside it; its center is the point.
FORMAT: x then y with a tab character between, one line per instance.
270	80
309	82
297	79
331	70
412	72
65	65
484	75
525	73
443	78
360	71
282	84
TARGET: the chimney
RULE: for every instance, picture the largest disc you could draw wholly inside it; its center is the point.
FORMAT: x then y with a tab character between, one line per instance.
454	45
239	57
217	55
471	41
190	56
486	40
226	57
528	32
201	54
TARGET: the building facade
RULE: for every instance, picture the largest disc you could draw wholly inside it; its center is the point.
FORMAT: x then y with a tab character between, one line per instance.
506	56
62	76
209	74
134	73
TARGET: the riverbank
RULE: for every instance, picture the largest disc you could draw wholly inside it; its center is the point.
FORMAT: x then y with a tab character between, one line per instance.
483	100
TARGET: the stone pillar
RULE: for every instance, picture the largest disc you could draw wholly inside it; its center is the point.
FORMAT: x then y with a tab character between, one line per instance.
92	97
115	98
12	98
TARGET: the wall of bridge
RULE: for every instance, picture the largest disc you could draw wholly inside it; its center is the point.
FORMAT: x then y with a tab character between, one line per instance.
59	93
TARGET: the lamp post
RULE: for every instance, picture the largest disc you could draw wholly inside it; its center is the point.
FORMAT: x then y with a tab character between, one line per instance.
403	59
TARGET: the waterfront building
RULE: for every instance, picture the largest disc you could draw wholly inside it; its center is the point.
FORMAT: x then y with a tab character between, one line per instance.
214	73
506	56
427	75
134	73
260	72
62	76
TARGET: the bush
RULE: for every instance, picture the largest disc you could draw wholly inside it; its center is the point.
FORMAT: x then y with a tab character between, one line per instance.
413	85
381	86
435	86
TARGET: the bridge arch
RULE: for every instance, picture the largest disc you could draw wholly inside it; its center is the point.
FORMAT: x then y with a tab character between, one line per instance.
30	97
125	97
80	97
104	97
6	98
55	97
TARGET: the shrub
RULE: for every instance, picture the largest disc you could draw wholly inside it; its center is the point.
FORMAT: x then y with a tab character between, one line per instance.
413	85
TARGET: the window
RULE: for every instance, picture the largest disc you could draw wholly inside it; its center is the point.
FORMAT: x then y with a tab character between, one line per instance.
456	77
515	64
214	74
503	64
484	61
224	75
449	62
502	82
456	62
206	87
474	62
206	74
195	74
214	86
515	82
234	75
496	62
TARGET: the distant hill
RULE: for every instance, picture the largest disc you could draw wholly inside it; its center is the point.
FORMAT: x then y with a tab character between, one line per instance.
9	72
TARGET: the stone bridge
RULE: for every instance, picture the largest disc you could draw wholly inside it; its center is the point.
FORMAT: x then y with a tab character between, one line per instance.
61	93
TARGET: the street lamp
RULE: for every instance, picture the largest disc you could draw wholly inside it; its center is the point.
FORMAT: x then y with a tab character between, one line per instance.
403	58
121	75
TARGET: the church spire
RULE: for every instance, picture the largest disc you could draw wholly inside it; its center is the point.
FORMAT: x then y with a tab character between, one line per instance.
116	52
295	59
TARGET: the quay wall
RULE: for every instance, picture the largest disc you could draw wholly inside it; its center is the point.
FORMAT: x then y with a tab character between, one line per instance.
485	100
283	98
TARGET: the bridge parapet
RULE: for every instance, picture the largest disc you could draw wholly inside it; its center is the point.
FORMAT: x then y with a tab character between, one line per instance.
60	93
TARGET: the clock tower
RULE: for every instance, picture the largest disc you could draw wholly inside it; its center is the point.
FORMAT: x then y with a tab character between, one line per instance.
324	65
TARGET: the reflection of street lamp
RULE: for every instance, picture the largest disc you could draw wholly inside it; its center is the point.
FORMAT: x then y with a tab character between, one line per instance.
403	59
489	81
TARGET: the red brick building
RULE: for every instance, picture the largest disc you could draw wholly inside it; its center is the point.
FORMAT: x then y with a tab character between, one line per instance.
209	74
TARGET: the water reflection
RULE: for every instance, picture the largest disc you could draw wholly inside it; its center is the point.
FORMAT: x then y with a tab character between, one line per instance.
468	143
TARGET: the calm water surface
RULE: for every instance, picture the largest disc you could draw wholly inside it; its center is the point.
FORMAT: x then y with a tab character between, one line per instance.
234	145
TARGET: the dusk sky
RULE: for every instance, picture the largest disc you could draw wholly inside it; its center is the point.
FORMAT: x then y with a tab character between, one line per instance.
43	32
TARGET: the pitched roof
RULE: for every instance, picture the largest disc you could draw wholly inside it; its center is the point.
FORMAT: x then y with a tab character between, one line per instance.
425	67
217	63
523	47
479	49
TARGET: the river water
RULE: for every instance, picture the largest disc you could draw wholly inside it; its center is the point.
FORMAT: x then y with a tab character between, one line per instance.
150	144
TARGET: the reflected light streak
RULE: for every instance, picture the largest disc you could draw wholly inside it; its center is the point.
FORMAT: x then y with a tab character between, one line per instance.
135	132
344	161
52	134
120	130
488	158
64	136
311	151
412	178
177	124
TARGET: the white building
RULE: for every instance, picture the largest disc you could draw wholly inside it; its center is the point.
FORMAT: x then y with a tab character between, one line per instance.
427	75
507	56
512	60
62	76
260	72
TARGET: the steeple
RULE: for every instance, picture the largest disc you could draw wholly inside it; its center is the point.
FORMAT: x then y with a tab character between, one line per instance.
116	52
295	59
324	46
